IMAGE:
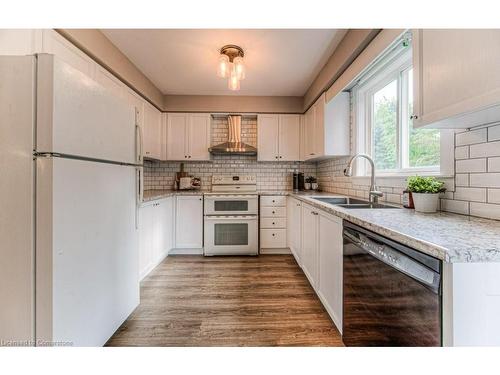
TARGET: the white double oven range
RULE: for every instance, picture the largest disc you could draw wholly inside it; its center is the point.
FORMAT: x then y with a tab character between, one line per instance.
231	213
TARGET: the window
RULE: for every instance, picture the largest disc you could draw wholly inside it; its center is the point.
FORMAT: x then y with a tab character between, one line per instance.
383	101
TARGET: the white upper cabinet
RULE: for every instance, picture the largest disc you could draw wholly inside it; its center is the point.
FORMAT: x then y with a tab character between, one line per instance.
456	81
153	133
289	138
177	124
188	136
56	44
278	137
326	128
267	137
199	136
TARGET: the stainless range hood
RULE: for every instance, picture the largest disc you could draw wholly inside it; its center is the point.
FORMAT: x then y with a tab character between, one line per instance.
233	146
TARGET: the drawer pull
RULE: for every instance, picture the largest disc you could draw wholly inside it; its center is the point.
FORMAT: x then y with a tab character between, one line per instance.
274	212
273	223
273	234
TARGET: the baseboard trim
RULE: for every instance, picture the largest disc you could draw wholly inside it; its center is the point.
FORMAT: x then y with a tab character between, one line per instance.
185	252
284	251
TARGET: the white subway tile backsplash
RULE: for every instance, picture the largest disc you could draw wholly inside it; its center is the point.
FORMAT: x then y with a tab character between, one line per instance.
470	194
471	137
470	165
485	180
493	164
462	179
462	152
494	133
494	196
490	211
485	150
458	207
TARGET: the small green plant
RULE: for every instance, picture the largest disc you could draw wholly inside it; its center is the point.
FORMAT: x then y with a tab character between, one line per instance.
311	179
418	184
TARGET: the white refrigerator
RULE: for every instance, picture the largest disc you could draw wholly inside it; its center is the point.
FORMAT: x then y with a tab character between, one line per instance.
70	186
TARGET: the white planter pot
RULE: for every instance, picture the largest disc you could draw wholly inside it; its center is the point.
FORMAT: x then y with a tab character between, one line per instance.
314	185
307	185
425	202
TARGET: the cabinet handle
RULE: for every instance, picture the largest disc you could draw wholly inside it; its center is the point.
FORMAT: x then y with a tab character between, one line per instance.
274	201
298	204
273	223
276	157
314	213
274	212
280	157
312	153
413	117
273	234
185	156
189	156
200	199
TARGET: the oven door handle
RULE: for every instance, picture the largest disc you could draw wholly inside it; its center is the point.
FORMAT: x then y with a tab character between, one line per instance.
230	217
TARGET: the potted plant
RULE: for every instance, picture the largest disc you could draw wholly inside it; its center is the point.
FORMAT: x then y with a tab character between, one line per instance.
309	181
425	192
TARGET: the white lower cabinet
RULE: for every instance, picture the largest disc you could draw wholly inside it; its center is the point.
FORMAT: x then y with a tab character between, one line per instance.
155	233
189	224
294	221
273	225
330	265
315	239
309	255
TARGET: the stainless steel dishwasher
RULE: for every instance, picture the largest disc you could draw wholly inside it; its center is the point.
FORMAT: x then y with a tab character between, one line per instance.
391	293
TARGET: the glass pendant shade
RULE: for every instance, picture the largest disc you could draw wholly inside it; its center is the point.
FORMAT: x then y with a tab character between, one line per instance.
233	82
223	67
239	67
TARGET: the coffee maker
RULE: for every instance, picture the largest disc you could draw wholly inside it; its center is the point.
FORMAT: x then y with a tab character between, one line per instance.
298	181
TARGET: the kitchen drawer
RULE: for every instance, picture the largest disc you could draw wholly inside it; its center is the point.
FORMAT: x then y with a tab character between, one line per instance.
273	222
273	201
272	238
273	212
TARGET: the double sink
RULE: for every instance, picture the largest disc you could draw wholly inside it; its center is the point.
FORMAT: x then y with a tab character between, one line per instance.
347	202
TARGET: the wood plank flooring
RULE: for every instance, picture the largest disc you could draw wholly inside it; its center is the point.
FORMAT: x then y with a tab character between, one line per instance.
227	301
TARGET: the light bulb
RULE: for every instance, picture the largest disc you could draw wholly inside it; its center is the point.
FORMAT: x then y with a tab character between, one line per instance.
223	66
239	67
234	82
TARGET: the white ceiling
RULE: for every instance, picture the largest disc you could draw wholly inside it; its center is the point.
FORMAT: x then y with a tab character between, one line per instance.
184	62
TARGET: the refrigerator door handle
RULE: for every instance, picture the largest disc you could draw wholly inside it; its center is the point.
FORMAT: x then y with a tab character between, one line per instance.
140	139
139	195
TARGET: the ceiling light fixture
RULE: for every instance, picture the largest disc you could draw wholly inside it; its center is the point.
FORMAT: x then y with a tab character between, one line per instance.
231	65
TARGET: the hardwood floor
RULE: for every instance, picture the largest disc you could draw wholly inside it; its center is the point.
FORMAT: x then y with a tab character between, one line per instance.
227	301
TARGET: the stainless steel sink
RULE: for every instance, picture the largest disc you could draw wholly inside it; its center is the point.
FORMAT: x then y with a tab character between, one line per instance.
351	203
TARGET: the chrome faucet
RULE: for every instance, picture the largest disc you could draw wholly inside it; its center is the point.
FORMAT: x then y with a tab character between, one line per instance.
374	194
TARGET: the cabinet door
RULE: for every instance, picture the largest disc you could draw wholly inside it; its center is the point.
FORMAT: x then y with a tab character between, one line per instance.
309	134
152	132
289	137
168	224
199	136
471	81
294	215
189	222
319	126
267	137
146	242
177	136
309	254
330	266
55	44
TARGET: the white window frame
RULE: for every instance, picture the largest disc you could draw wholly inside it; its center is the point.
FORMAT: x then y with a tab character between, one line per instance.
388	68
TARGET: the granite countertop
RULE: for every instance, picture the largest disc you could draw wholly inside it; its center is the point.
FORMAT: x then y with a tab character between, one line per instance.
449	237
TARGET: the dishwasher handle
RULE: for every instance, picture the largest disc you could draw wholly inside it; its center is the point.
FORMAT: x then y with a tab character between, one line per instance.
395	259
